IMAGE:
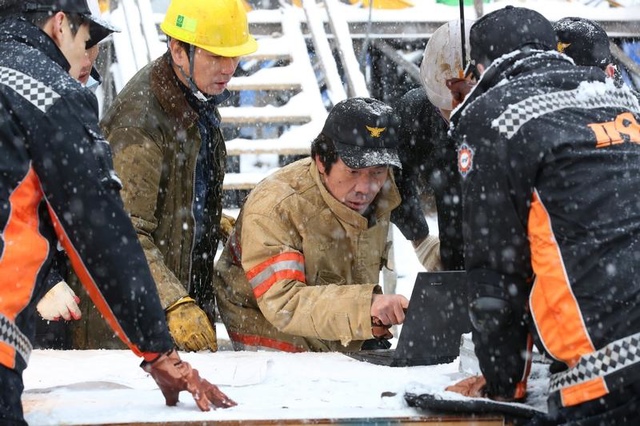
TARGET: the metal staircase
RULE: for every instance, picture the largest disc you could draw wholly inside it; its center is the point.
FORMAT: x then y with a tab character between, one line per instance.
288	108
300	117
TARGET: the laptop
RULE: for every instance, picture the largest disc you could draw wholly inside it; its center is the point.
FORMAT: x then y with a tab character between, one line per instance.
436	318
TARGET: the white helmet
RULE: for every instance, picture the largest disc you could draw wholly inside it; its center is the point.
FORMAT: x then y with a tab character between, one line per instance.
99	28
442	60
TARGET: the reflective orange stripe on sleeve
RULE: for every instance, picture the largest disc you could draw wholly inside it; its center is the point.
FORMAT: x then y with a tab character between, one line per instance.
25	249
24	252
553	305
284	266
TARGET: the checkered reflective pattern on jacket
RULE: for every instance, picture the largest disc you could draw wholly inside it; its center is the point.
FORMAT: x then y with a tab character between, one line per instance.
518	114
11	335
34	91
608	360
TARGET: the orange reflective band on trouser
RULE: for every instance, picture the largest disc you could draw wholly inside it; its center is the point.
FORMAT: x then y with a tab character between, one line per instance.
582	392
554	308
285	266
264	342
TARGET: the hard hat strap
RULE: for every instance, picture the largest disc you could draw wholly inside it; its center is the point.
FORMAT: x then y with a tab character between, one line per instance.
189	77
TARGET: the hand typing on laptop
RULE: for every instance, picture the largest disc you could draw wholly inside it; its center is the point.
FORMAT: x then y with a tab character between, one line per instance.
389	309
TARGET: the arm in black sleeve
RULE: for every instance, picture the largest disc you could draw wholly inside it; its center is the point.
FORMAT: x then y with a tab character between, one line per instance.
82	192
58	271
409	216
413	123
500	331
496	197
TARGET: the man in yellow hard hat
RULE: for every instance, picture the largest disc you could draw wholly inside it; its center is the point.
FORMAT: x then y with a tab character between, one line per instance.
170	154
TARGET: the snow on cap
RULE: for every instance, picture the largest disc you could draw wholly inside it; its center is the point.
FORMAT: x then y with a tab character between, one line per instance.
584	41
362	133
68	6
508	29
98	27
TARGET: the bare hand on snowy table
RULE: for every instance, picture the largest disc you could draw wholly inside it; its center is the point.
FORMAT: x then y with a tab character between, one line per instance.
475	387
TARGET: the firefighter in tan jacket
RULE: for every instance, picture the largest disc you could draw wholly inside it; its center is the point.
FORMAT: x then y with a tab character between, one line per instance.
301	270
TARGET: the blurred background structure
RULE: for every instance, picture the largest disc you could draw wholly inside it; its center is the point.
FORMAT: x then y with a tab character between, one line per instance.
313	53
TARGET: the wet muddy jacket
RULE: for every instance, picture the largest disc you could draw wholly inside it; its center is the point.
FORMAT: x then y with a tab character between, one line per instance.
300	269
549	155
57	183
156	138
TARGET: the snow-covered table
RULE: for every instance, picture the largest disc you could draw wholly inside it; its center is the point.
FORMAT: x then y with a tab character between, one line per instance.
108	387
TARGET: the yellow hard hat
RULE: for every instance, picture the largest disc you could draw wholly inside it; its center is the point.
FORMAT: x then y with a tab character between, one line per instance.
217	26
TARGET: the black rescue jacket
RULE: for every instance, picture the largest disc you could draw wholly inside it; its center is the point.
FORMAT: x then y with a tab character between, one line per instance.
549	156
57	184
428	157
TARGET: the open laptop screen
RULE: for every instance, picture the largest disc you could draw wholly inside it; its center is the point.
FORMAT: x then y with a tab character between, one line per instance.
437	317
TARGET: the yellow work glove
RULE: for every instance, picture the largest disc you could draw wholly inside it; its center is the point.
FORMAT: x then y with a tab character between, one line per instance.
189	326
226	226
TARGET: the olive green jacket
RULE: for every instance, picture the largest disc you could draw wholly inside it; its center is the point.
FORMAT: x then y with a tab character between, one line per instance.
154	135
309	265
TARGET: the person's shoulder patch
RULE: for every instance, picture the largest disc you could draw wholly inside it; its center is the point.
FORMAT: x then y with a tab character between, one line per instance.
465	159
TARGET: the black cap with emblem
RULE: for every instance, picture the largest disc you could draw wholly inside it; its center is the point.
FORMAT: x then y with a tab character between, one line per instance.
361	129
584	41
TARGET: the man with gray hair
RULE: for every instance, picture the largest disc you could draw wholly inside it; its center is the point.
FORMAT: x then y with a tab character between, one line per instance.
300	271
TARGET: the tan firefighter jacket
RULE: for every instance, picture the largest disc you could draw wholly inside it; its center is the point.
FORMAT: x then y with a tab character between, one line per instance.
309	265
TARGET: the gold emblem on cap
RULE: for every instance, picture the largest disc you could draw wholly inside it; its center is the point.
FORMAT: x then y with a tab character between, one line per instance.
375	131
561	46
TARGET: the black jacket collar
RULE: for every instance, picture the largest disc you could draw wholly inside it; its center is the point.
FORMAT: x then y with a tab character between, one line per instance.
21	31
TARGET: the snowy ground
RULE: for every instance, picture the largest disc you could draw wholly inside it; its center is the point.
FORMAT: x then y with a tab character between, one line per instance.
99	387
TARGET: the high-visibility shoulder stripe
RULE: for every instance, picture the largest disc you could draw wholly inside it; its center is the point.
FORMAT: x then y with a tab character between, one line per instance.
284	266
23	255
90	285
264	342
36	92
553	305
